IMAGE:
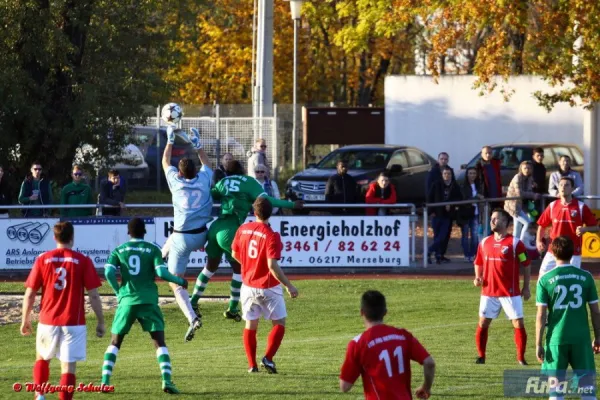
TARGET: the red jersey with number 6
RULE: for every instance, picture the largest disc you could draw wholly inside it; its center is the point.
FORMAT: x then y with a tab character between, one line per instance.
63	274
382	355
254	244
565	218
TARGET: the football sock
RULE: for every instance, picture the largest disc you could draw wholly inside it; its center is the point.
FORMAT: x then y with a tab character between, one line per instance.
67	379
183	300
201	283
41	372
250	346
521	342
110	358
481	337
234	298
274	341
164	361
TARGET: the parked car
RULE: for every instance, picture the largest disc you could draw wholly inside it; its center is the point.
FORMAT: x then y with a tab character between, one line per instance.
130	163
408	168
146	137
513	154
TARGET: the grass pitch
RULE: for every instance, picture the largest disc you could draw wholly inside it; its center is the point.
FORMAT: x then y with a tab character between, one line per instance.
442	314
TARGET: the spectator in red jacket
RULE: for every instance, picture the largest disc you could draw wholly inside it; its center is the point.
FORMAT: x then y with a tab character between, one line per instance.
380	192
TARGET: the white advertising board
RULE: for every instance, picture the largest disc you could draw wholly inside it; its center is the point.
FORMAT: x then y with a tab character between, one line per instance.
326	241
24	239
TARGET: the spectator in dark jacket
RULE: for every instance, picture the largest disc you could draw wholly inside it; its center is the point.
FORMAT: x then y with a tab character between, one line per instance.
488	169
468	215
35	189
341	187
540	185
442	216
5	195
380	192
219	173
435	174
112	192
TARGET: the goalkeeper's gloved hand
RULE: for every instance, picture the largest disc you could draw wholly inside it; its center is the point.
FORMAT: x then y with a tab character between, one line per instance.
171	134
194	137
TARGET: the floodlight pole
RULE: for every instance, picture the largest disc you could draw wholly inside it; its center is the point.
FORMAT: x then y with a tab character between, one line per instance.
296	11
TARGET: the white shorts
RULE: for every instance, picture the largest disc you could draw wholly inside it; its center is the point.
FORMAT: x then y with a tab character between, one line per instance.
489	307
549	262
67	343
266	302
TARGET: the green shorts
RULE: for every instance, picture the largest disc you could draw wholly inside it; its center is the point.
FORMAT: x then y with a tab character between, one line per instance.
579	356
149	316
220	237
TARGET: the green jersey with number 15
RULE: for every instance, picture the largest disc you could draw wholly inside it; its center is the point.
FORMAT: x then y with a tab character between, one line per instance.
137	260
237	194
567	291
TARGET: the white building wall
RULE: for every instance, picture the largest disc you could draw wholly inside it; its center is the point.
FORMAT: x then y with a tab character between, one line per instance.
451	116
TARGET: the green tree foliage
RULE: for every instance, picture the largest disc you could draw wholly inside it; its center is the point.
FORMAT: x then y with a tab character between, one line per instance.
75	72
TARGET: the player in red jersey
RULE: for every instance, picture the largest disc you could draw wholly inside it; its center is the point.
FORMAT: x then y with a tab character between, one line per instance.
497	272
567	216
62	274
382	355
257	248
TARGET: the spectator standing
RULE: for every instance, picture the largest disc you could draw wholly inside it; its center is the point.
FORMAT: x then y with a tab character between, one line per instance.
382	356
63	274
269	186
341	187
521	186
5	196
219	173
564	169
257	156
35	189
435	174
540	185
380	192
76	193
468	215
442	216
488	169
112	192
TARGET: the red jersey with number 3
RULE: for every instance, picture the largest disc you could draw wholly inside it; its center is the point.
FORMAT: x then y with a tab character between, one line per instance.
63	274
254	244
565	218
382	356
500	260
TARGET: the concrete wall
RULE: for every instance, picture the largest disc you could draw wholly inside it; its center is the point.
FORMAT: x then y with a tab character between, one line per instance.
451	116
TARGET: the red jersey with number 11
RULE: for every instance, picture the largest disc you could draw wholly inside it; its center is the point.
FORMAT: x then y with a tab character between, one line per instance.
254	244
63	274
382	355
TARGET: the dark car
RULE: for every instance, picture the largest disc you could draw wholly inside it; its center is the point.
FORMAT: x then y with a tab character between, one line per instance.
147	136
408	168
513	154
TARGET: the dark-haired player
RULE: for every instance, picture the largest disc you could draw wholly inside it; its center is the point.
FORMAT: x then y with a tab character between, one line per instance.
62	274
192	206
139	262
499	257
236	192
382	356
257	248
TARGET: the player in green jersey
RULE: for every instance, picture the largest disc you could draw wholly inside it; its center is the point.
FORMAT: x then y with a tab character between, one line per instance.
139	262
236	193
563	294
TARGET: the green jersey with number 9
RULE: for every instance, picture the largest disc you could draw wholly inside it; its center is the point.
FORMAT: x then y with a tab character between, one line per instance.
137	260
567	291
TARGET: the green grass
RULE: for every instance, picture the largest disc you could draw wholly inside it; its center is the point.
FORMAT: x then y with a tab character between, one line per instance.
442	314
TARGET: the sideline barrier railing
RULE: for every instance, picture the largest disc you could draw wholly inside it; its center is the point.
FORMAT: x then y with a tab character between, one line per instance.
372	251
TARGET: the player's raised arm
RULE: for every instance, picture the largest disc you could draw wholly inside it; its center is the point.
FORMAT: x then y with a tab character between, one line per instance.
194	137
166	159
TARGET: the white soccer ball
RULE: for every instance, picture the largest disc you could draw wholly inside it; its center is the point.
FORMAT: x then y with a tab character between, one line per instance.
171	113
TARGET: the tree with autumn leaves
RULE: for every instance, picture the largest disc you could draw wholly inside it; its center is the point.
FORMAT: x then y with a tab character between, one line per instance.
347	47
